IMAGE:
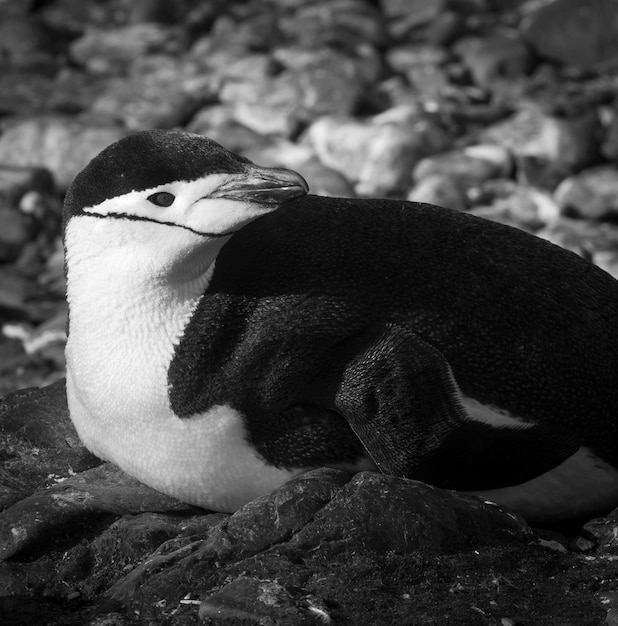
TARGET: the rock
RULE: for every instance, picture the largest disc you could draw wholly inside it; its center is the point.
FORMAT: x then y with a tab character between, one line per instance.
21	207
109	550
581	34
39	444
252	599
502	56
15	233
24	91
321	84
62	144
591	194
595	241
377	155
552	147
404	16
346	24
384	514
16	181
16	290
27	41
514	204
439	189
468	167
112	51
424	67
46	340
96	492
136	100
322	180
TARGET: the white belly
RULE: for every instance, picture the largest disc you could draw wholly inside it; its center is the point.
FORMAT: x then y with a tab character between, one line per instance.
580	487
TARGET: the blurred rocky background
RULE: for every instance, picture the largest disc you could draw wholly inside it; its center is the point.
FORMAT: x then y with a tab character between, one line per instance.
502	108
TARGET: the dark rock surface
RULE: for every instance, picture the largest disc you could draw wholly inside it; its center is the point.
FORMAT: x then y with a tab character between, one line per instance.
507	109
82	543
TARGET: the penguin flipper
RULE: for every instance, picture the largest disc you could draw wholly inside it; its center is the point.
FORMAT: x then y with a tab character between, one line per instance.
401	399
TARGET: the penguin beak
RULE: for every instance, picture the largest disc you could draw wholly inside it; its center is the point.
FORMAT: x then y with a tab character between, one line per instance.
269	186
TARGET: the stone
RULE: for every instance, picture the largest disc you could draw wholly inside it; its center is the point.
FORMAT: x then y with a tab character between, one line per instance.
24	91
26	41
595	241
321	84
16	231
39	443
572	32
112	51
424	67
249	598
377	155
137	101
47	340
514	204
322	180
497	57
591	194
62	144
385	513
439	189
22	207
547	148
16	290
469	166
16	181
344	23
404	16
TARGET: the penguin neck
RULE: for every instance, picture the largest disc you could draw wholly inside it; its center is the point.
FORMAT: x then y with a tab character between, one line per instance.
128	308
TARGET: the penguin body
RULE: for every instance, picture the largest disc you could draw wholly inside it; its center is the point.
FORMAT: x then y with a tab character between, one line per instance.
245	332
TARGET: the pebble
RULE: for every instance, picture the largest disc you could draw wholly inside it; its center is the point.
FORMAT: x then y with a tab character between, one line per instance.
502	56
345	24
439	189
112	51
324	83
62	144
248	598
377	155
591	194
576	33
553	146
514	204
468	166
136	100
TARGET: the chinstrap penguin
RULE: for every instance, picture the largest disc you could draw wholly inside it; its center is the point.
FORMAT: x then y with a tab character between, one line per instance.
228	331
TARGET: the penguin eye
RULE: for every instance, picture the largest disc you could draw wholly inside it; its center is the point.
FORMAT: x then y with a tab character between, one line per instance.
162	198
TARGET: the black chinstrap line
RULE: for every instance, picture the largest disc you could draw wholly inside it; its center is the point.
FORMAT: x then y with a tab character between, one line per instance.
141	218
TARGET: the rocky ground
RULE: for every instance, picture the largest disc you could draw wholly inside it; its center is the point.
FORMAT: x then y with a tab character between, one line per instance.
502	108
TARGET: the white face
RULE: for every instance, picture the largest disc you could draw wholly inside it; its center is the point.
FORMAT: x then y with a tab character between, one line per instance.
195	207
186	235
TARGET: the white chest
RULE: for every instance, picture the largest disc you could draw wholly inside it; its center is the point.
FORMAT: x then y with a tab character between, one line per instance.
126	318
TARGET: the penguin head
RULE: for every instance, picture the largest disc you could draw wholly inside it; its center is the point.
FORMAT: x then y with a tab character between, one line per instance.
162	188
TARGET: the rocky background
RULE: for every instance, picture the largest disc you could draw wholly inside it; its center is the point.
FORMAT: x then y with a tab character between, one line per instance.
503	108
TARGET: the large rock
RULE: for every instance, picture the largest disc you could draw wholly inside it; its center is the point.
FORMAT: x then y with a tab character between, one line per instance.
87	544
313	84
591	194
378	155
581	33
62	144
548	147
112	51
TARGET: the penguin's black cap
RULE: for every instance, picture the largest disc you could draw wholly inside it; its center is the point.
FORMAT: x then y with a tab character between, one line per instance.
145	160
